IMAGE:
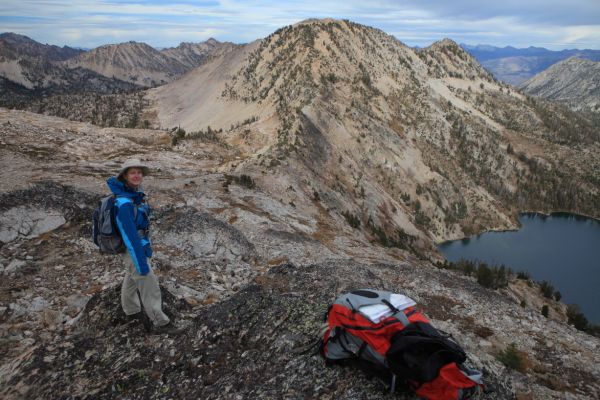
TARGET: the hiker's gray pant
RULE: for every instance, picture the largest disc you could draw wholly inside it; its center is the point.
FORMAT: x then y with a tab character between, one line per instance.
147	286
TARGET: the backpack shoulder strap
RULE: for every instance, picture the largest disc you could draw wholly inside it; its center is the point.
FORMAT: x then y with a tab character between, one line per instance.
135	210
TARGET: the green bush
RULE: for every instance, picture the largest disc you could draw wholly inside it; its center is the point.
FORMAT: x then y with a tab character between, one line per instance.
511	358
399	238
352	220
178	134
523	275
330	77
490	277
422	219
242	180
557	295
247	181
485	276
576	317
547	289
545	311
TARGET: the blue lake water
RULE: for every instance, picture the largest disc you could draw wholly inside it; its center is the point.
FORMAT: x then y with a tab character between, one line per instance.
563	249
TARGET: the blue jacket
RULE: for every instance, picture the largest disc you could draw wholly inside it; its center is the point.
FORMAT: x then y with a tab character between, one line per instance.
131	224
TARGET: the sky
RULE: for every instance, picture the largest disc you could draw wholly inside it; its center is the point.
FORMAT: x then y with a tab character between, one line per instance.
553	24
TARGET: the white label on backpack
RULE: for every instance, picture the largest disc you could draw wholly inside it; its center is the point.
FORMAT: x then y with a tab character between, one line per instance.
377	312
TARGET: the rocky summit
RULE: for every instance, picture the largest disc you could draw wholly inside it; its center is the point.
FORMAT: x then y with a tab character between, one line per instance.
334	158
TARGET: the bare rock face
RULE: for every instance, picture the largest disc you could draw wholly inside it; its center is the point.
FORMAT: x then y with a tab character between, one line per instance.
217	255
46	204
195	54
201	235
28	222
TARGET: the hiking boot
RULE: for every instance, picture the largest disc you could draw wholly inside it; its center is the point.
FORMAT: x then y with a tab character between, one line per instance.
133	317
139	317
170	329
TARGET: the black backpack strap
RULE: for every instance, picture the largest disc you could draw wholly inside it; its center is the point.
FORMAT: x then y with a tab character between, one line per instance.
362	348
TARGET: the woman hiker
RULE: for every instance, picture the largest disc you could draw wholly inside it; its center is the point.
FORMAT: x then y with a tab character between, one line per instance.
133	223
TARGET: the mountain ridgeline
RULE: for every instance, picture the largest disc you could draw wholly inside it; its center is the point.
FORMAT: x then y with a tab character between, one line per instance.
405	143
574	82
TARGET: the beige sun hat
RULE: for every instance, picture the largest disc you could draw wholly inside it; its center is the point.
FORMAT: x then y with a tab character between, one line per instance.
133	163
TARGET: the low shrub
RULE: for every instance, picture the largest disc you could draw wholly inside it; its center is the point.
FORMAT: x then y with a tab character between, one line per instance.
351	219
511	358
547	289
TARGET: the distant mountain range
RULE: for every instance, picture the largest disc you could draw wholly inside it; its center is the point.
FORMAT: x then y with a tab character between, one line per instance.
143	65
515	66
13	46
26	65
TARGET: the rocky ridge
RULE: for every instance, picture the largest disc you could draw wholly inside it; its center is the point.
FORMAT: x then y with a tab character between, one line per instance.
192	55
33	65
143	65
424	144
259	343
133	62
574	81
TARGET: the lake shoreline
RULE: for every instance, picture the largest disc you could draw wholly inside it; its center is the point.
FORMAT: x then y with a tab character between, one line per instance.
548	246
518	224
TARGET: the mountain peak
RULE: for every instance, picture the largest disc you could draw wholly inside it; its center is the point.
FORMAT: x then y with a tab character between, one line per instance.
317	21
128	44
445	58
444	43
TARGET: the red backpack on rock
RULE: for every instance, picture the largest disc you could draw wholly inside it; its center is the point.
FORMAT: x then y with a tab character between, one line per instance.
384	334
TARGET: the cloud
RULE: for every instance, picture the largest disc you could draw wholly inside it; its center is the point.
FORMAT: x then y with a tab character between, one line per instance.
546	12
89	23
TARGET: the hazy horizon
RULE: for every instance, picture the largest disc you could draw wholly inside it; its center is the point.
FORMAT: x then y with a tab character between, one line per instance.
188	41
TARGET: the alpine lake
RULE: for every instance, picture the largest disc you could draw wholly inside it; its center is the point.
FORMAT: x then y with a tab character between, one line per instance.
563	249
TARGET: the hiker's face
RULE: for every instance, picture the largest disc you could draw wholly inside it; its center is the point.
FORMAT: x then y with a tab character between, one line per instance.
134	176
